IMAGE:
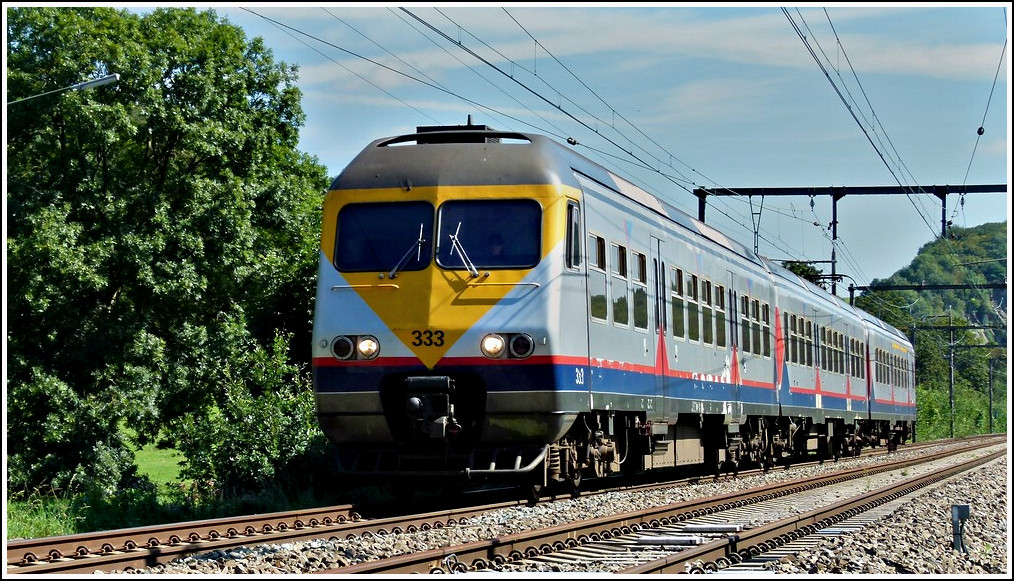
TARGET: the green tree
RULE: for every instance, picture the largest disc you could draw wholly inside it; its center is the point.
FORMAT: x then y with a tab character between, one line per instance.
807	271
161	234
969	256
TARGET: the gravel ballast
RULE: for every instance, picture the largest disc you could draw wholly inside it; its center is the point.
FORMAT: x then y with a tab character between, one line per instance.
915	539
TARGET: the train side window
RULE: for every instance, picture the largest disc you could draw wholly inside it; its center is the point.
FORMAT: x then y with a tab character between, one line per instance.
619	286
640	285
878	370
755	339
693	315
720	315
744	316
707	322
678	314
786	337
793	339
809	343
850	357
840	351
761	329
862	362
597	301
824	357
832	356
573	235
856	359
829	350
859	358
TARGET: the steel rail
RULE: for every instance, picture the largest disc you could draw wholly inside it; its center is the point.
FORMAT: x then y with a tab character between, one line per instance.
719	554
479	555
147	546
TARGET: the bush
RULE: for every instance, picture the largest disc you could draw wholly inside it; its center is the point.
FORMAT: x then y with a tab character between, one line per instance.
266	419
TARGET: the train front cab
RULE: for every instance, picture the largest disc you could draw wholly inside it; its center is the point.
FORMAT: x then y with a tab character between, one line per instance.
474	371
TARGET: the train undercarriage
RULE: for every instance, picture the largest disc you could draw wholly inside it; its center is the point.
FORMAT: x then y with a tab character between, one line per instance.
606	443
442	432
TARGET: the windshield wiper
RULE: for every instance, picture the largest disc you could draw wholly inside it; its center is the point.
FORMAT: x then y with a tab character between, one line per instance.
417	246
455	243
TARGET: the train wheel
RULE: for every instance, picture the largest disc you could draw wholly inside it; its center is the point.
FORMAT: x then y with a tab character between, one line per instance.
574	484
533	493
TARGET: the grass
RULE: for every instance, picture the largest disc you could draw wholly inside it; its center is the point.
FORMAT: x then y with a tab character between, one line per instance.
160	466
42	515
50	514
166	499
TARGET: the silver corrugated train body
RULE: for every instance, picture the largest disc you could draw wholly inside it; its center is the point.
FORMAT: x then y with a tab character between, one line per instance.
493	305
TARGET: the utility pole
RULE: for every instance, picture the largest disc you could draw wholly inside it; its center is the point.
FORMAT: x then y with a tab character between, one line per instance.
990	364
950	374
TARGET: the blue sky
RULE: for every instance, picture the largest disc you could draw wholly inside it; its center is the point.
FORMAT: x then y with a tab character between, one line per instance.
707	95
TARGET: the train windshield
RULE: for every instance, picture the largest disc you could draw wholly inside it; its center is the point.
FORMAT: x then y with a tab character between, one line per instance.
489	234
384	237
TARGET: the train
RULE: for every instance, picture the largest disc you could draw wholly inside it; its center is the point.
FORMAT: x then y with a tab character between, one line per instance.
494	306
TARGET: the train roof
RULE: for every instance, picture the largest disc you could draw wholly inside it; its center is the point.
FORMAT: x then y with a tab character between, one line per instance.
881	324
543	157
390	162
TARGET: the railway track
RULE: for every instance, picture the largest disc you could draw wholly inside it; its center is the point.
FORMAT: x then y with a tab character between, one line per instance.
608	538
147	546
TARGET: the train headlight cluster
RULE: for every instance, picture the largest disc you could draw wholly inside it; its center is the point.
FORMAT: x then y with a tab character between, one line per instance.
492	345
521	345
355	347
512	345
368	347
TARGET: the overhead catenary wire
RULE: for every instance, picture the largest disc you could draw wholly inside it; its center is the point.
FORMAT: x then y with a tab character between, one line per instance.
382	65
640	162
645	162
807	38
433	84
979	132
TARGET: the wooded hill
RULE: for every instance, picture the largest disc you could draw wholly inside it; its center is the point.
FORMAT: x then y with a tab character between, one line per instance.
968	256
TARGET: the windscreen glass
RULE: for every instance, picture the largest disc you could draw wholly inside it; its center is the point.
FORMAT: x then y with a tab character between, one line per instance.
489	234
384	237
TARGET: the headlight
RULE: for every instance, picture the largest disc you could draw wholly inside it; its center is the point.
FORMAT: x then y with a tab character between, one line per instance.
492	345
342	347
522	346
368	347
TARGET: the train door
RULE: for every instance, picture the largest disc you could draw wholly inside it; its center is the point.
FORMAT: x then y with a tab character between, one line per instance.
658	285
735	400
577	264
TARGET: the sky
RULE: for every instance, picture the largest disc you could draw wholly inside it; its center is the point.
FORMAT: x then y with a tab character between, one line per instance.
675	97
679	96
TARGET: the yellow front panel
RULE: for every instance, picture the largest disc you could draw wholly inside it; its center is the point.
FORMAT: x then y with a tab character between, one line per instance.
432	308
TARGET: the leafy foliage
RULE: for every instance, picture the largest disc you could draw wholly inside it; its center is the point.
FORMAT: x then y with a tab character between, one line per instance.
807	271
942	322
162	237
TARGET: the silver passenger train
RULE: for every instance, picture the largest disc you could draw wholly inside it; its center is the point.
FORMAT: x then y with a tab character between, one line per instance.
493	305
